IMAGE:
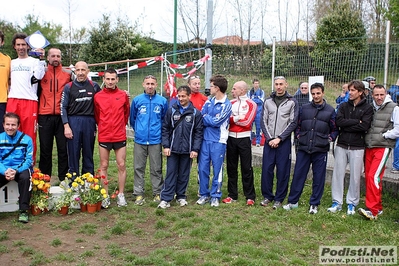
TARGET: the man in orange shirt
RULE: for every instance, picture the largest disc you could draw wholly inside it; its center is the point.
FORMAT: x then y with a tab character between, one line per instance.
5	66
49	120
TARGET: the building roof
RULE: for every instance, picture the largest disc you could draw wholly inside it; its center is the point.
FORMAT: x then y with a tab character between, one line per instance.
233	40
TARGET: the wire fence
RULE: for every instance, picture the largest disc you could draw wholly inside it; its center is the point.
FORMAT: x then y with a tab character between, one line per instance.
295	63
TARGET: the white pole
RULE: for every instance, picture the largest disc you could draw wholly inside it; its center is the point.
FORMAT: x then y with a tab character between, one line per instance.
273	61
128	77
162	69
388	32
208	51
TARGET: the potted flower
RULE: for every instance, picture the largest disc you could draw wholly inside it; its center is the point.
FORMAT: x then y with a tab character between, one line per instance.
66	198
40	195
80	186
94	192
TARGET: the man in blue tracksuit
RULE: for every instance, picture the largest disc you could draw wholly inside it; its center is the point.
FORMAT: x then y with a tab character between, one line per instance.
257	95
146	115
77	114
216	114
316	129
181	140
16	150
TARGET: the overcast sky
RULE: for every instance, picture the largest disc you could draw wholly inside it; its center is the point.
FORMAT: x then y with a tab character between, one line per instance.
153	15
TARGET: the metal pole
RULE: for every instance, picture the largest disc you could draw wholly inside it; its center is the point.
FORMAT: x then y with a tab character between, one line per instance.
273	61
388	32
175	34
209	38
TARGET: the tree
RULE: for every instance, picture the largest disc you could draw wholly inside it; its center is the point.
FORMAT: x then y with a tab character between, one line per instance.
74	36
8	29
392	14
52	32
114	42
340	33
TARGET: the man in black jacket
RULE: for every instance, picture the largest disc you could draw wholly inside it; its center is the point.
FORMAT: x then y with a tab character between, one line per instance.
316	129
353	119
181	140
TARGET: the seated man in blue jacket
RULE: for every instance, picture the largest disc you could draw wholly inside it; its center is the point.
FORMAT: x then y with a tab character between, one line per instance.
16	151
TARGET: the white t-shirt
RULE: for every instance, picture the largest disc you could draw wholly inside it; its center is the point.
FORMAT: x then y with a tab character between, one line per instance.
22	71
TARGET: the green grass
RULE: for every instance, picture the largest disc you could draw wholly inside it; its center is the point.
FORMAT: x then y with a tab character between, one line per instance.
232	234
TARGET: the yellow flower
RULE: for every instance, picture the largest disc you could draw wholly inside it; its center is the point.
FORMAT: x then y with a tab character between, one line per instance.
41	182
95	180
69	190
96	187
87	175
68	175
103	191
40	186
74	184
36	182
105	196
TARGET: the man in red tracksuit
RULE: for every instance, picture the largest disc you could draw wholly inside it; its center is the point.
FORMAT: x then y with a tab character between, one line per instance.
49	119
380	139
239	144
111	111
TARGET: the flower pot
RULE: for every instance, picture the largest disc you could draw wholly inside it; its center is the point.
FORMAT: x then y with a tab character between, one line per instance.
99	206
91	208
63	210
34	210
83	207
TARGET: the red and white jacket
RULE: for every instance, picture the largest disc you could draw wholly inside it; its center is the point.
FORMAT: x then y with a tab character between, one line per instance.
242	115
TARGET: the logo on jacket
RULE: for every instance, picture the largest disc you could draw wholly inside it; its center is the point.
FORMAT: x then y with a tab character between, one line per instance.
142	110
188	119
157	109
176	117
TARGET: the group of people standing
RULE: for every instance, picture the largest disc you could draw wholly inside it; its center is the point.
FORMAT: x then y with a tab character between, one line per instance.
71	108
62	105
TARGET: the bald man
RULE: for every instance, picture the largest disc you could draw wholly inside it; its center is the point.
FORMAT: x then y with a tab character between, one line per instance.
77	113
239	144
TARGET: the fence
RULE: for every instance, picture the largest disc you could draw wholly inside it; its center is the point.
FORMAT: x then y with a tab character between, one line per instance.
295	63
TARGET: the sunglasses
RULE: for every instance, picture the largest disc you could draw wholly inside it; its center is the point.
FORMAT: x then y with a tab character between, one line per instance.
280	77
194	77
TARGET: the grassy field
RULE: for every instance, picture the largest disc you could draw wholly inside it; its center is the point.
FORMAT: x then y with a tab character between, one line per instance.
193	235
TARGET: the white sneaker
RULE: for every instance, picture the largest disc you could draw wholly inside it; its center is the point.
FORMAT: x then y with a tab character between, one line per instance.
120	200
290	206
313	209
335	207
106	202
215	202
164	204
182	202
351	209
